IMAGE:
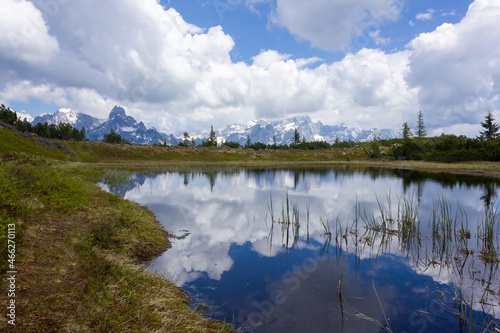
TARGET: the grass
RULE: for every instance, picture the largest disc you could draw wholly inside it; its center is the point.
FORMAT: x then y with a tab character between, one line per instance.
13	146
79	256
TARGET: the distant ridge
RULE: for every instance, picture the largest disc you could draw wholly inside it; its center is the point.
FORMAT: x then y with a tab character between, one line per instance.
71	117
258	131
283	132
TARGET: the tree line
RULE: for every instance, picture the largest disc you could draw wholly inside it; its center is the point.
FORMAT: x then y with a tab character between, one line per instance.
444	148
448	148
62	131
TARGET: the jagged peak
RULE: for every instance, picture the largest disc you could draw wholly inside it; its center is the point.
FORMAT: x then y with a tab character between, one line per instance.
117	111
65	110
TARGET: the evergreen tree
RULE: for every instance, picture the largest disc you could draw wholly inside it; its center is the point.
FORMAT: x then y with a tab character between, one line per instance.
114	137
406	131
421	132
296	137
249	142
212	139
82	135
186	139
7	115
490	128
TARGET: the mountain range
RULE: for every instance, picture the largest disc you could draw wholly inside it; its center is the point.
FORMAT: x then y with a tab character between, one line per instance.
281	131
95	129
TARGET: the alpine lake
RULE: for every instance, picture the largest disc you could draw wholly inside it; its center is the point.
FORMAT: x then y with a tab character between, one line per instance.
338	249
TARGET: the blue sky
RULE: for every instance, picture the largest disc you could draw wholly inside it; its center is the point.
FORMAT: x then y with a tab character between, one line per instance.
252	28
184	65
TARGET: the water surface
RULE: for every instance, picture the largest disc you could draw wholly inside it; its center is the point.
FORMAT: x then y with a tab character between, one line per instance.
322	250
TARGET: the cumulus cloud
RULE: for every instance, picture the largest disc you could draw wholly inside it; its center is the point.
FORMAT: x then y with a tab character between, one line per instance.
266	58
369	86
25	90
332	25
175	76
24	36
456	67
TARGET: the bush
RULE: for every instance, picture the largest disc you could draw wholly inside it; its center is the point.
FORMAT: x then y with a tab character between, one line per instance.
114	138
447	148
257	146
232	144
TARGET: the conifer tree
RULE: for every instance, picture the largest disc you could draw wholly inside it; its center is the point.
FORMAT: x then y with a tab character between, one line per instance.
296	137
186	139
490	128
406	131
421	132
212	139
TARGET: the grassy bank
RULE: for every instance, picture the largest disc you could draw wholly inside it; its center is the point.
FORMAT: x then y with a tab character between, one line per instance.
79	251
78	256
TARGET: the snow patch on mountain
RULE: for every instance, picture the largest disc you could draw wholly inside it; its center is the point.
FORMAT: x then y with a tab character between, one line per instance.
283	132
75	119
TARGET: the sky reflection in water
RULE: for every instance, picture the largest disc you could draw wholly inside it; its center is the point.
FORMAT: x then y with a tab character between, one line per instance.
231	256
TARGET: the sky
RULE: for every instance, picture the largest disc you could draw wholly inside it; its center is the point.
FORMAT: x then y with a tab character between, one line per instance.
186	65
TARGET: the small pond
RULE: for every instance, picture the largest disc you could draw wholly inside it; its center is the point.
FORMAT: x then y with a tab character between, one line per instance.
340	249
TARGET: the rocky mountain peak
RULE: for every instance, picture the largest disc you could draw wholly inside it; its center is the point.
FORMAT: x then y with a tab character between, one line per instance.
117	111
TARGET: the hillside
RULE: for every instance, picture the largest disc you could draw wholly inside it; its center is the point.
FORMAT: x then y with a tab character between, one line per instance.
79	251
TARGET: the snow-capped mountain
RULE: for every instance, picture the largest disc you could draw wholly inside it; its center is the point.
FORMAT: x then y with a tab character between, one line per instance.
71	117
23	115
259	131
129	129
283	131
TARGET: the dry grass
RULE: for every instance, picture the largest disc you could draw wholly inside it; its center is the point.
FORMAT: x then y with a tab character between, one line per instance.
79	259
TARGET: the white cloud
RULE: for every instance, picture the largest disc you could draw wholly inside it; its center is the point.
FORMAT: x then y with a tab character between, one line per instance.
24	35
25	90
176	76
333	24
369	86
375	35
427	16
450	13
266	58
456	67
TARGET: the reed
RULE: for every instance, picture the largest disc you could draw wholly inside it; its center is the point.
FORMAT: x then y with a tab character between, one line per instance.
442	227
408	223
443	241
387	326
487	235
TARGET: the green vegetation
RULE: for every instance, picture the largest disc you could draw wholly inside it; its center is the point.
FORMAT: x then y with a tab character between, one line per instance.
212	139
490	128
421	132
80	250
114	138
446	148
61	131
